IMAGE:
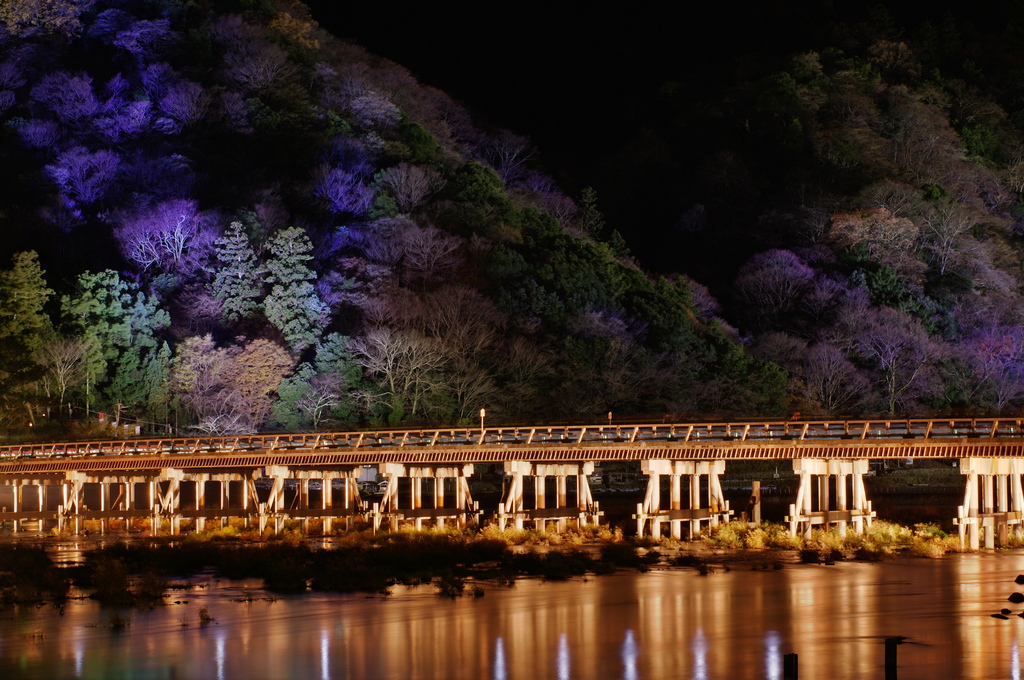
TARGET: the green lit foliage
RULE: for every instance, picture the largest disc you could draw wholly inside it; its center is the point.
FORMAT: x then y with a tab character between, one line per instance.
293	305
128	362
23	295
321	394
24	329
239	277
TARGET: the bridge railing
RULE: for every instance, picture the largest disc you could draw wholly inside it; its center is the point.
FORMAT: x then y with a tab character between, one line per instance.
536	437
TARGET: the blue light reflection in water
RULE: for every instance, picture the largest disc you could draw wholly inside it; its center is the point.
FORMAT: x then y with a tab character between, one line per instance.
563	657
630	653
700	655
499	660
325	655
219	656
772	655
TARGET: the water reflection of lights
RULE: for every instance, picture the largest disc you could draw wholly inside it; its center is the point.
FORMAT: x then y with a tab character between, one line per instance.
325	663
1015	662
772	655
499	660
219	655
700	655
563	657
79	658
629	657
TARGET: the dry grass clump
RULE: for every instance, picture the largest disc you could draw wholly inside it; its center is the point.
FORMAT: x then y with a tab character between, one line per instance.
739	535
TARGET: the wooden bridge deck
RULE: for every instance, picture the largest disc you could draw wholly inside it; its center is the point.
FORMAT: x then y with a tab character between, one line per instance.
782	440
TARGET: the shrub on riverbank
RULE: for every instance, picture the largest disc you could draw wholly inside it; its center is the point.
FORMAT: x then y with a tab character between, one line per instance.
27	575
880	540
739	535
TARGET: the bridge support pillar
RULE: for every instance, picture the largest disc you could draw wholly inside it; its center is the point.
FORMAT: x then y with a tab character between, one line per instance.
461	509
650	514
512	507
993	501
815	492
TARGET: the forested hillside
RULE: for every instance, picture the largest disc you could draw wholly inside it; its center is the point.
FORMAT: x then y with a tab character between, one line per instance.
856	210
218	217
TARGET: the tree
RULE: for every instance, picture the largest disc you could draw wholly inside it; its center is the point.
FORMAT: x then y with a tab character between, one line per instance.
902	354
410	185
53	16
127	359
64	360
946	225
343	190
24	325
591	219
508	153
832	380
998	355
888	239
186	103
772	284
239	276
23	295
251	379
429	253
173	237
83	176
406	366
292	305
70	97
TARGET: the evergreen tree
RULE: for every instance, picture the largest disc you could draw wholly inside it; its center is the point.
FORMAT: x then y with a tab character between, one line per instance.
591	219
238	282
124	322
23	294
293	305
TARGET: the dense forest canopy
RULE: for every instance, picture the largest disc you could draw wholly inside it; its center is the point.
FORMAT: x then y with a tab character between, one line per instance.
219	217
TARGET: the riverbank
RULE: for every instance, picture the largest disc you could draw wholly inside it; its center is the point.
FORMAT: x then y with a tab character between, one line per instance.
139	571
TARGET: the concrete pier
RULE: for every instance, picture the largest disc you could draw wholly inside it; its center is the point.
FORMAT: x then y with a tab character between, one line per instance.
436	495
993	501
817	505
550	482
695	497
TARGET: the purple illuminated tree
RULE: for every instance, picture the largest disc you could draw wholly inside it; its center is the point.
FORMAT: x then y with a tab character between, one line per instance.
69	97
998	354
173	237
342	190
772	284
186	103
84	176
902	353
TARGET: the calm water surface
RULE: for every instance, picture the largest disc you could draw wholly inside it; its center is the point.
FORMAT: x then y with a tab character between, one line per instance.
660	625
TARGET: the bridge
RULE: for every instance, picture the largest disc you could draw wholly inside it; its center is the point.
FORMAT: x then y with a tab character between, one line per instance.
269	478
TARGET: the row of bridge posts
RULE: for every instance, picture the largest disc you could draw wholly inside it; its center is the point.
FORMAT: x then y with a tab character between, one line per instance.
682	497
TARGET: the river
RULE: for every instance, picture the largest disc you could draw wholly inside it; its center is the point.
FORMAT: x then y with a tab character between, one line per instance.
669	624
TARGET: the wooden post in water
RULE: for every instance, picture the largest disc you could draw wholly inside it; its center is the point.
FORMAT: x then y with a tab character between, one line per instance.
890	657
790	667
755	502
